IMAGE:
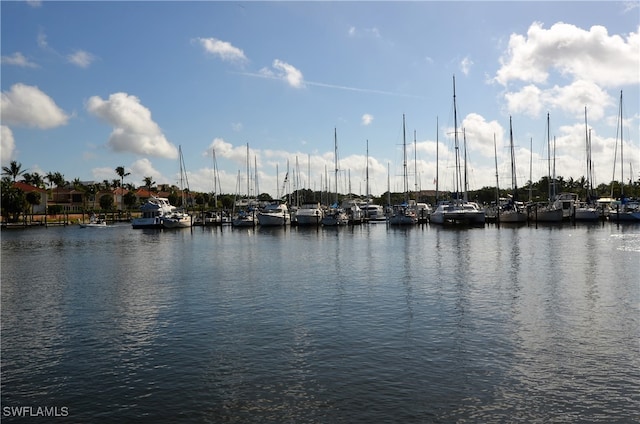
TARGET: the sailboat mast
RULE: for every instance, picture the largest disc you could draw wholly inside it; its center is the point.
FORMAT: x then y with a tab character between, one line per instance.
437	159
466	181
415	162
495	154
530	169
548	158
248	179
514	181
621	152
335	158
455	138
367	172
404	163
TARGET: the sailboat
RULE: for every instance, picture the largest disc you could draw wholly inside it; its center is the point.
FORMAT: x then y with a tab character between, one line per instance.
551	211
335	216
179	218
512	210
458	211
404	214
623	210
586	210
276	214
245	217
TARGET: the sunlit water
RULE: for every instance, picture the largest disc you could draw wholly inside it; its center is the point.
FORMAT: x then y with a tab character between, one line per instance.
367	324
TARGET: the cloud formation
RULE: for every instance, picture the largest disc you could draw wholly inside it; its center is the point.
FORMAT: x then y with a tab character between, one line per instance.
594	55
223	49
81	58
26	105
7	145
367	119
133	128
18	59
285	72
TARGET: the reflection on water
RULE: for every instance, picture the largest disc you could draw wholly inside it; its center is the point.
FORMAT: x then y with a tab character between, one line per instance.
360	324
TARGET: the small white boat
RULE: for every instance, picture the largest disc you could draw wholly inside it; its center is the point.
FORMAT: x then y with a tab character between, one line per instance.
274	214
177	220
94	222
373	213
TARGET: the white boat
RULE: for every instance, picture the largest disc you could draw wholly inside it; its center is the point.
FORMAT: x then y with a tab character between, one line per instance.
373	213
587	210
335	216
274	214
354	212
404	214
153	212
458	211
510	210
623	210
309	214
94	222
552	211
177	219
244	218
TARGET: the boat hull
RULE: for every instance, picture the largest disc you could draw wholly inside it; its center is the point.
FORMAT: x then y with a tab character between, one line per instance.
272	220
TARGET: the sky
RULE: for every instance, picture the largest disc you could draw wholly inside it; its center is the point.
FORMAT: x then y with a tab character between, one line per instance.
91	86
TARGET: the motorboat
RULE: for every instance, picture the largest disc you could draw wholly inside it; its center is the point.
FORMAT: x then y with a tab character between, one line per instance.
177	220
309	214
94	222
274	214
154	210
458	212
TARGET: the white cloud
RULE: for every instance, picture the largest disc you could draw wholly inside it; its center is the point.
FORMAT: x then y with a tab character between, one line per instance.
223	49
133	128
367	119
571	99
81	58
42	41
7	145
18	59
465	65
594	55
27	105
372	32
34	3
480	134
289	73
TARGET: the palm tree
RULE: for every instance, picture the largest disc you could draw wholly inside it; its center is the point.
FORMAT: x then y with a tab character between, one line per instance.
14	170
122	174
148	181
34	179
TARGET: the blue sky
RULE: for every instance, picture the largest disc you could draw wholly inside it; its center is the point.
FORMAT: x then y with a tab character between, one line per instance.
90	86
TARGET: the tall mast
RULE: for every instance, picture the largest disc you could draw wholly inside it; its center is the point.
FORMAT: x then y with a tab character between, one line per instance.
415	162
466	180
367	173
495	155
455	138
621	152
248	182
548	159
335	158
404	163
514	181
437	158
530	169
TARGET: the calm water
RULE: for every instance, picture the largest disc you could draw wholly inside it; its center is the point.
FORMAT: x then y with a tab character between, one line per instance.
367	324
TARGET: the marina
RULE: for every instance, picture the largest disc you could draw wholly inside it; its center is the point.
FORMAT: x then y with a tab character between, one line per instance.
365	323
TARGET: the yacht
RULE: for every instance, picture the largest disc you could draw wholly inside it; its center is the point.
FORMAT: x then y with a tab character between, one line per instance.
309	214
274	214
154	210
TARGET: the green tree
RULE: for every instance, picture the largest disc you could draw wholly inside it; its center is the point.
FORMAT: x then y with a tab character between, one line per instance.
106	202
121	173
148	182
129	199
13	200
14	170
